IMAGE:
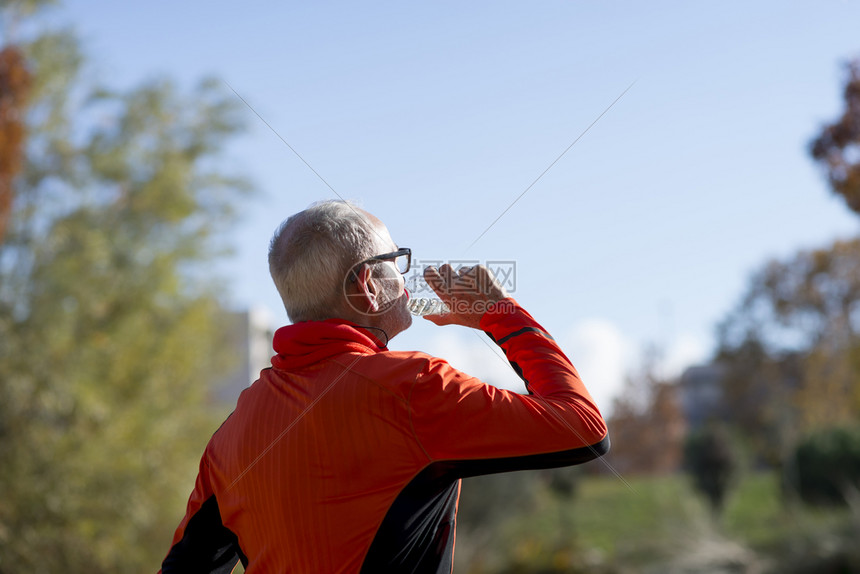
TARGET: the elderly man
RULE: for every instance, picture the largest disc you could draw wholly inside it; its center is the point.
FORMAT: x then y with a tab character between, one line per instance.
347	457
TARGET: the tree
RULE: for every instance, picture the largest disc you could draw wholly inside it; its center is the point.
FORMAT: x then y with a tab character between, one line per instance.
759	397
792	343
647	424
14	88
109	331
836	147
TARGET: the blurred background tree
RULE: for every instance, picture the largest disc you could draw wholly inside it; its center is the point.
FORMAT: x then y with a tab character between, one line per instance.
647	424
14	90
791	348
109	313
837	147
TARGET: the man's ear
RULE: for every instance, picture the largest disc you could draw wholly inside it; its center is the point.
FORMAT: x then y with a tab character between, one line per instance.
368	289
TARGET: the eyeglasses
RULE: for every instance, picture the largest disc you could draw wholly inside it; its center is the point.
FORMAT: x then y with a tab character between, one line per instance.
402	259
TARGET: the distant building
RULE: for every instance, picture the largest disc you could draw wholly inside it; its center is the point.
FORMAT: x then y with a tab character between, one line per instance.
701	393
250	333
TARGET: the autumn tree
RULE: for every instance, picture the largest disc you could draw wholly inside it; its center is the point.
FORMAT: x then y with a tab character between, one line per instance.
837	147
109	331
791	348
647	424
14	89
759	398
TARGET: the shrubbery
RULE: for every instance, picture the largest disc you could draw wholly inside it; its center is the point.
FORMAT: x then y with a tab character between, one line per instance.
827	466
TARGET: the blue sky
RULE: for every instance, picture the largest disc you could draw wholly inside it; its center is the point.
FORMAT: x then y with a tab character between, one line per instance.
436	116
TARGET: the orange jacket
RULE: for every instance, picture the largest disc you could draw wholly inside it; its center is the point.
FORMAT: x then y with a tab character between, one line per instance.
347	457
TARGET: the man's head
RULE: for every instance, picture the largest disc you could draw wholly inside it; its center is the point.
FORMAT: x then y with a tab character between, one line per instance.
318	261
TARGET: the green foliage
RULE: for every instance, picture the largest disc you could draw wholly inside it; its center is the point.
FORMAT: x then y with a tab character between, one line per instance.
712	462
110	329
826	467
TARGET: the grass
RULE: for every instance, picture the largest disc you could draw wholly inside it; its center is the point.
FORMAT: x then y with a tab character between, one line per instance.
759	515
645	520
609	526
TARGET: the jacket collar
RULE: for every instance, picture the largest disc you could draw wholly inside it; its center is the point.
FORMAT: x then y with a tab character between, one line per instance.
308	342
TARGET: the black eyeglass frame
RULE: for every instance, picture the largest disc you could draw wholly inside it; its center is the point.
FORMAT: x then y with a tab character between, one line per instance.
386	257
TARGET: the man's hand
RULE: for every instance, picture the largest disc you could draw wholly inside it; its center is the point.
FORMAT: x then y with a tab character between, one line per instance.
468	292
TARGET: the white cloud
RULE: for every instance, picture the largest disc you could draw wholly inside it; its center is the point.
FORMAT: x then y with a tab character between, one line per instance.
686	350
602	355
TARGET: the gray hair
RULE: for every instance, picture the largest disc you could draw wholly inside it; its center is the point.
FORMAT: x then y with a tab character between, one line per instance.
311	253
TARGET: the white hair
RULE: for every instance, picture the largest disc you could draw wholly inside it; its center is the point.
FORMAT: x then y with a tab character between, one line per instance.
311	253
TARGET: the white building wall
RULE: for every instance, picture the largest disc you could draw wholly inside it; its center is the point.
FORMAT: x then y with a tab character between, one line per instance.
250	335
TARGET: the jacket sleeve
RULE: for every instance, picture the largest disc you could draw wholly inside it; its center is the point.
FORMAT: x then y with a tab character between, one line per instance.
202	544
482	429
